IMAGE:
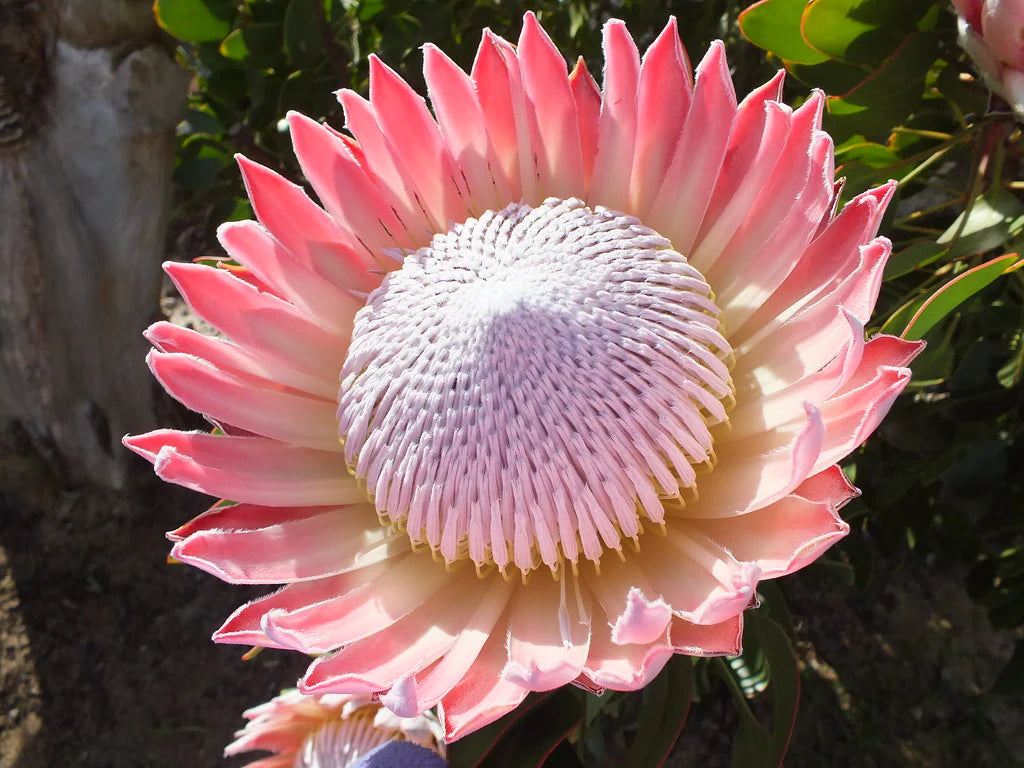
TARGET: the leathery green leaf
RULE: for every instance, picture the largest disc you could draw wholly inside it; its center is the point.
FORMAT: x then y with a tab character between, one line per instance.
775	26
954	293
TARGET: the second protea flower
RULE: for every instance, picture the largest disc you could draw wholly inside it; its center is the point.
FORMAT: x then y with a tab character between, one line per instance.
992	32
329	731
599	352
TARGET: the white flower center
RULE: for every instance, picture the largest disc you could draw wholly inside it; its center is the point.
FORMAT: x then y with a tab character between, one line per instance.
533	383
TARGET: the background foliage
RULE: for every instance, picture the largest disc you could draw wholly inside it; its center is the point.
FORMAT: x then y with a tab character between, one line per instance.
939	479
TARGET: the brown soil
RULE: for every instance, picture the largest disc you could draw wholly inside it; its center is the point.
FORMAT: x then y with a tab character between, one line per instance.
105	658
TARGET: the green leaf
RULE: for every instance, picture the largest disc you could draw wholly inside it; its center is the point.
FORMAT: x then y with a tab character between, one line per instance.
969	98
200	161
831	76
233	46
888	96
991	221
775	26
867	152
755	745
666	702
860	31
198	21
523	738
913	257
302	40
537	734
1011	680
200	121
258	44
956	292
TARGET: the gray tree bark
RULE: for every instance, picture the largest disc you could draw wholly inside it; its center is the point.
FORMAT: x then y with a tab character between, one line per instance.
89	97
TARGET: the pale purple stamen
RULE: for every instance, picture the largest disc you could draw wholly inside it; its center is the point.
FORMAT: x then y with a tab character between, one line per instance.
530	384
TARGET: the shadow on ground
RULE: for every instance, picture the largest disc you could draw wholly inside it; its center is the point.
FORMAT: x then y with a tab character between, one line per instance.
107	659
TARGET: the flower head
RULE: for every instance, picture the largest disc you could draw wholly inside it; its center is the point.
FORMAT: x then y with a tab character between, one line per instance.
329	731
551	381
992	32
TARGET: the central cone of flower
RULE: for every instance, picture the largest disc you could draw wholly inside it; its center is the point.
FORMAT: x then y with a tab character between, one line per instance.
531	384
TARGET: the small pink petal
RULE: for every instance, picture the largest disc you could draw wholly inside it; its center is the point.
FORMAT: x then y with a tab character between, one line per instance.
685	192
248	243
663	101
416	144
365	609
758	138
624	667
482	695
249	469
437	683
375	663
643	620
854	414
267	325
245	625
493	88
780	538
587	96
305	229
548	634
244	363
391	178
462	124
298	546
722	639
550	102
761	469
348	194
617	130
834	252
221	395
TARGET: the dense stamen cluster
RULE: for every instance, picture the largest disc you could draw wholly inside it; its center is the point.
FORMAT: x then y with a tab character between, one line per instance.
534	382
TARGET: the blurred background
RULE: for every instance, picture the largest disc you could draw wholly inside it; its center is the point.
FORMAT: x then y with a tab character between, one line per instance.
118	123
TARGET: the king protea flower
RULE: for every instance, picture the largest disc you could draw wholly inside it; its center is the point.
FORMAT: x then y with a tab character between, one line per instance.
599	351
992	32
329	731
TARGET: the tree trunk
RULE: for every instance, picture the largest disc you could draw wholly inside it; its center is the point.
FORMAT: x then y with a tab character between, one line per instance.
89	97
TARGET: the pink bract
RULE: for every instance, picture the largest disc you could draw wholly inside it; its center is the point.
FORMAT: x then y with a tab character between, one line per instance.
992	32
333	730
599	354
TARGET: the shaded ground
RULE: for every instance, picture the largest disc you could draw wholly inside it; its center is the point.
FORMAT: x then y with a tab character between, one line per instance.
106	659
893	674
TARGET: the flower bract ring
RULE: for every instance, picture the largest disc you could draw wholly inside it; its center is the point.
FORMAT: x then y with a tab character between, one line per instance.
544	385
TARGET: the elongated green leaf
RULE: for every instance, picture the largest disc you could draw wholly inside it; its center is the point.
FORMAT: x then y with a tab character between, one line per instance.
666	702
912	257
538	733
861	31
525	737
196	21
756	746
991	221
775	26
956	292
471	750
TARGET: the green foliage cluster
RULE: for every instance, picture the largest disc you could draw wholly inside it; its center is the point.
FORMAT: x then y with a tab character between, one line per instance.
904	103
